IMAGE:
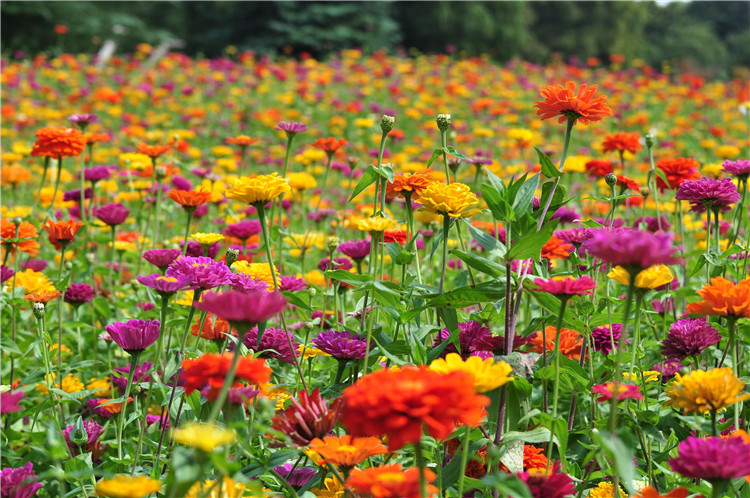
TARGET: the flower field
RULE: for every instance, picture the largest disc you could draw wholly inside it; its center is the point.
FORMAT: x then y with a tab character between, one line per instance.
374	276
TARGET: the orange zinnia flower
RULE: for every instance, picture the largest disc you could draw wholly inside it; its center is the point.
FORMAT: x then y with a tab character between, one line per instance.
190	198
210	330
58	142
347	451
242	140
330	145
389	481
622	142
153	151
650	492
563	101
212	369
94	138
724	298
556	248
13	175
26	231
408	185
533	458
401	403
61	232
677	171
570	342
44	296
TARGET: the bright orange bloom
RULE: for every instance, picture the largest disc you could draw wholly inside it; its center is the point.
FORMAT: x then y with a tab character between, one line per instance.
212	369
570	342
26	231
57	142
61	232
190	198
389	481
13	175
677	171
533	458
61	29
330	145
650	492
739	433
401	403
563	101
112	408
724	298
408	184
347	451
242	140
622	142
210	330
44	296
153	151
556	248
95	138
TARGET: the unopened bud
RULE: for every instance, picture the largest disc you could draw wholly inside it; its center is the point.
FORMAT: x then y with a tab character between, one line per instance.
387	122
650	141
39	310
160	172
231	256
443	122
332	243
611	179
17	220
645	192
313	292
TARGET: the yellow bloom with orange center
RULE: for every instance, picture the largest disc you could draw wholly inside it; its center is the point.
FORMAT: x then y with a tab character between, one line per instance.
650	278
346	450
376	224
704	391
257	190
334	489
123	486
453	200
205	437
487	374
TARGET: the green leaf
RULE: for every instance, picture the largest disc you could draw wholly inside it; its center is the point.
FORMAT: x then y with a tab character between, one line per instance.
548	169
479	263
348	277
451	151
369	177
466	296
436	153
495	182
499	207
296	300
531	245
522	200
486	240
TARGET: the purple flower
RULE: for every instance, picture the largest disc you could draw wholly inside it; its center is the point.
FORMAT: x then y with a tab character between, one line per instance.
652	224
474	339
166	286
707	193
633	249
341	345
9	401
338	264
739	168
243	310
5	273
92	434
603	338
95	174
575	236
713	458
689	337
662	307
162	258
19	482
243	230
290	283
616	223
35	264
79	293
357	249
134	335
83	119
75	195
290	127
668	368
181	183
195	250
321	214
556	484
145	306
274	343
235	395
566	215
297	477
112	214
244	283
206	272
152	419
140	374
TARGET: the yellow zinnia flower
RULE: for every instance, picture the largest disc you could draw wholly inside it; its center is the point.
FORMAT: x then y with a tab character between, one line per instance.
452	200
650	278
33	281
207	239
704	391
257	271
101	387
310	351
205	437
122	486
278	395
70	383
258	190
210	489
605	490
301	181
488	375
375	224
648	376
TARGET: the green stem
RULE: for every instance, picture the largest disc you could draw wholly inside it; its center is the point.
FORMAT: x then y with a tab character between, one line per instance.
157	209
187	231
219	403
112	268
464	460
637	332
446	228
47	161
121	422
57	181
444	144
48	372
568	129
653	184
280	240
420	464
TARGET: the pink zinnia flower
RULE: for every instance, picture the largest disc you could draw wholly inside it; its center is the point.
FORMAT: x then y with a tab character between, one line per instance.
134	336
566	286
636	250
9	401
712	459
607	391
243	309
556	484
739	168
707	193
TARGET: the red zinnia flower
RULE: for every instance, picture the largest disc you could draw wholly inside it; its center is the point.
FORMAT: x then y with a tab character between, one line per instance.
563	101
599	167
628	183
398	236
677	171
570	342
309	418
58	142
625	391
622	142
330	145
212	369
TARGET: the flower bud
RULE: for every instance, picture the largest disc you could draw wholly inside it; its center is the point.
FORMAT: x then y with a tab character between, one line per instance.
160	172
231	256
17	220
332	243
312	291
611	179
387	122
645	192
650	141
443	122
38	310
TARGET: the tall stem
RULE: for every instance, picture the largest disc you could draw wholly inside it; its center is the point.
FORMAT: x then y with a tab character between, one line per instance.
446	228
47	161
112	267
652	182
420	464
121	422
229	380
187	231
280	240
444	144
547	204
57	181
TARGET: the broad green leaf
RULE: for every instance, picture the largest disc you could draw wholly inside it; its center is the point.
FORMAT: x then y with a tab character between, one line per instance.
548	168
531	245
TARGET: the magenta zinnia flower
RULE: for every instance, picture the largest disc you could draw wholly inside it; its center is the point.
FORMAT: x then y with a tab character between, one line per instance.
9	401
83	118
636	250
134	336
206	272
140	374
19	482
243	230
162	258
308	418
78	293
93	433
290	127
243	309
475	339
707	193
575	236
112	214
166	286
95	174
603	337
556	484
341	345
689	337
652	223
606	391
274	343
357	249
291	283
566	286
244	283
739	168
712	458
5	273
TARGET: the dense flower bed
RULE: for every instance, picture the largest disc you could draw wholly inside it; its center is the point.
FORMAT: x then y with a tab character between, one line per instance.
373	276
